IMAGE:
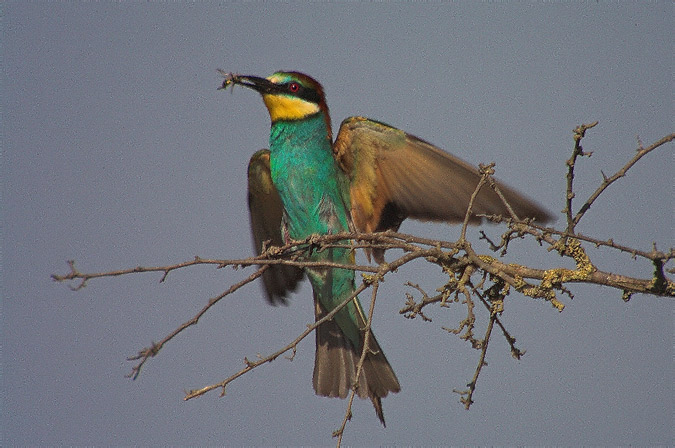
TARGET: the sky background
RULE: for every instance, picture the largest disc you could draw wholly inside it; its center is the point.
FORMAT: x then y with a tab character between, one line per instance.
118	151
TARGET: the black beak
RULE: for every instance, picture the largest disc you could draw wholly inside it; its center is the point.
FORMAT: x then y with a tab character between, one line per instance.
260	85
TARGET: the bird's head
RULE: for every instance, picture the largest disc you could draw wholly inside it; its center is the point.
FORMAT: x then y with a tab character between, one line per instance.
288	96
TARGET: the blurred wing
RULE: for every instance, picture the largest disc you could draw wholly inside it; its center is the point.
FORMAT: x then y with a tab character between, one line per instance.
394	175
266	210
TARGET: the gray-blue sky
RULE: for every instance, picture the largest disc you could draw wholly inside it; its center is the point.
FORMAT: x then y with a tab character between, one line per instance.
118	151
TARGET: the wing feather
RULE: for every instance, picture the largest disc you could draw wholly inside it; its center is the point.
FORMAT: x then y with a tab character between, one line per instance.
394	175
266	210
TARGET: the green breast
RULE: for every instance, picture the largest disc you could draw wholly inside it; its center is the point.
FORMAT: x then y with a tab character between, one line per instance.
315	195
312	187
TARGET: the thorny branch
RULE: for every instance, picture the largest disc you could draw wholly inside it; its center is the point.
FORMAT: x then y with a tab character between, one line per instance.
578	151
607	181
457	259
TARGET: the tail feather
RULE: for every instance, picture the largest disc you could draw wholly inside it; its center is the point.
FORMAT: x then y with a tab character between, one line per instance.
336	361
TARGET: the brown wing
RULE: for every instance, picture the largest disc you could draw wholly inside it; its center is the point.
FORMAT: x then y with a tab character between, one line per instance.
394	175
266	210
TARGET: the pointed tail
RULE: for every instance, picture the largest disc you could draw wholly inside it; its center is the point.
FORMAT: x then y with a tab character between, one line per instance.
336	361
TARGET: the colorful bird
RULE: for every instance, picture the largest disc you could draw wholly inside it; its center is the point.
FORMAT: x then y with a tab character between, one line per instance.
370	179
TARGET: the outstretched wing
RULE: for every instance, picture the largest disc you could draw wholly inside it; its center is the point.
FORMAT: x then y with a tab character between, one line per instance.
266	210
394	175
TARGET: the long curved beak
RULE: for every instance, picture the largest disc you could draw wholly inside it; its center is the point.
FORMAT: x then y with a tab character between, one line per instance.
260	85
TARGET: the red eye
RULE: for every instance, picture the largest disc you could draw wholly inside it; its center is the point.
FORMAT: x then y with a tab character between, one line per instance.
294	87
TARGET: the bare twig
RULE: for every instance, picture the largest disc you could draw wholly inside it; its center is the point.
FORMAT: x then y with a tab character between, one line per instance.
486	171
151	351
607	181
375	282
250	365
579	133
544	232
467	395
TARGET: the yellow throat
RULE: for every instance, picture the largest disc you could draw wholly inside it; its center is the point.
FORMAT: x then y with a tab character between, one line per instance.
282	107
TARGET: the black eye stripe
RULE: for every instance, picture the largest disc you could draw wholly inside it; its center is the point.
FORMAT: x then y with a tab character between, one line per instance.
304	92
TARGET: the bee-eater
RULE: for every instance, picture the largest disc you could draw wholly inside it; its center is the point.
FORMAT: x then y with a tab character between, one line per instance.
369	179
